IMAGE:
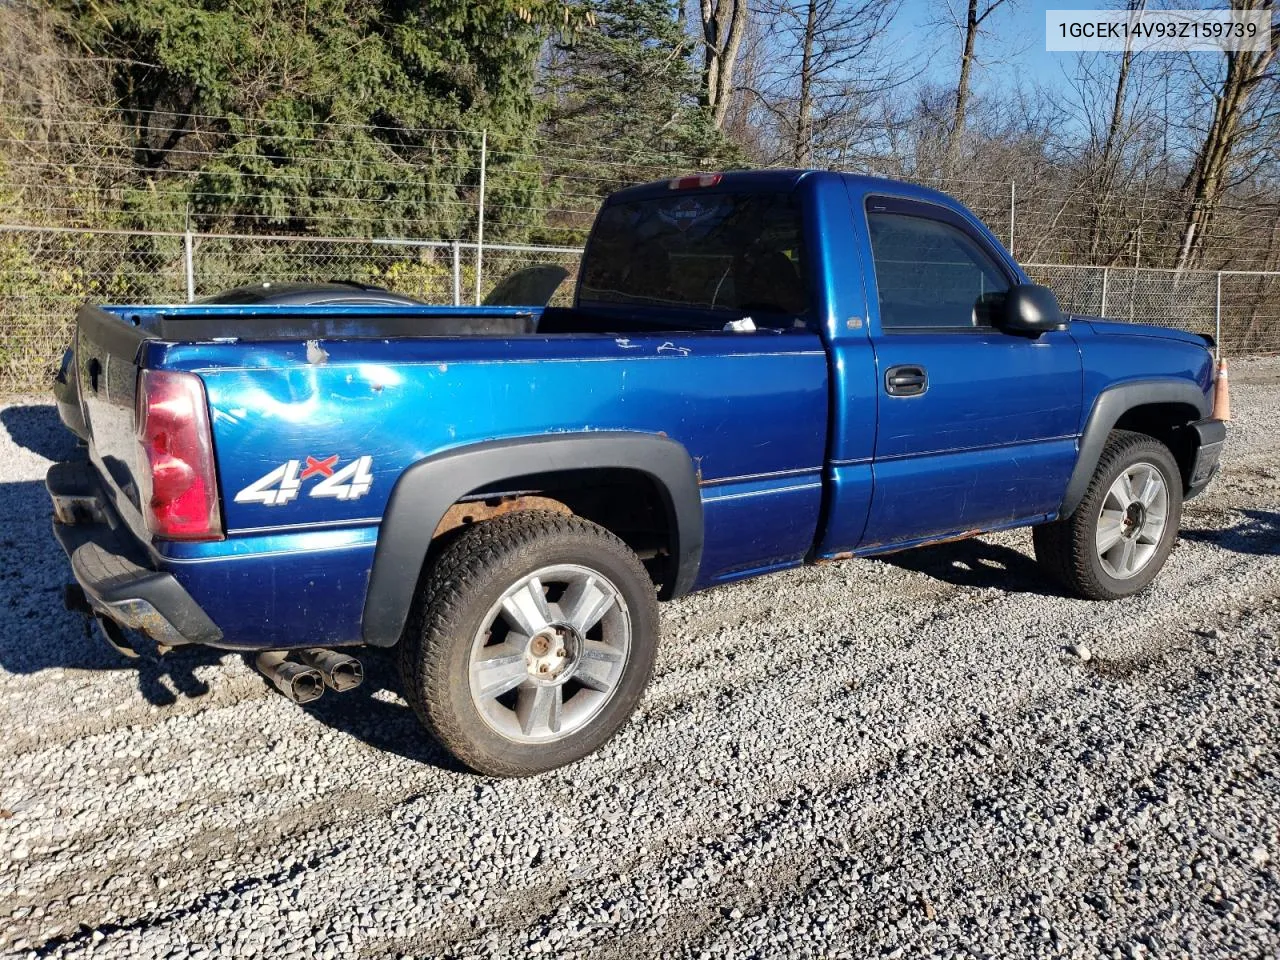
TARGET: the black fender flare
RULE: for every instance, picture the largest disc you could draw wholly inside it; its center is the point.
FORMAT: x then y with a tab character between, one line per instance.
1111	404
431	486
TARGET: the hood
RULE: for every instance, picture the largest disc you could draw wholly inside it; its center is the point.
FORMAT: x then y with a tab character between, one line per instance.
1116	328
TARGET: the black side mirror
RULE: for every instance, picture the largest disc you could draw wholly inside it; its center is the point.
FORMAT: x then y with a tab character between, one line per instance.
1031	309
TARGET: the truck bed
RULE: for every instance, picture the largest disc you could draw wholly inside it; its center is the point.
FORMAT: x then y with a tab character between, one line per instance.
374	390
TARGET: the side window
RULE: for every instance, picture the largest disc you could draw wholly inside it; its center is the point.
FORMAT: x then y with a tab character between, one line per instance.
930	274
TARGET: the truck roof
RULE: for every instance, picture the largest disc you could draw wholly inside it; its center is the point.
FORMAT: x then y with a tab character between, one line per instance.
771	180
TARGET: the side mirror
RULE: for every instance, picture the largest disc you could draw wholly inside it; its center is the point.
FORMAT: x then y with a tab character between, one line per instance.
1031	309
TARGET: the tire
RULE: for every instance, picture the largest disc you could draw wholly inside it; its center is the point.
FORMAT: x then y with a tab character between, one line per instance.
1072	550
517	676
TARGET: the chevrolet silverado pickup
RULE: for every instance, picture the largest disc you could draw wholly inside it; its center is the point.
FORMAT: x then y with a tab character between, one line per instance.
758	370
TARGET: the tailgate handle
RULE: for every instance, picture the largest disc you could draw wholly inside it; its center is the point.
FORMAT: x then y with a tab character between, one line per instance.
906	380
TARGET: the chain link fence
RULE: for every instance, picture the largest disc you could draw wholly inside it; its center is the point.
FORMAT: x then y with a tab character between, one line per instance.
1187	300
1241	309
422	269
1250	315
47	272
434	271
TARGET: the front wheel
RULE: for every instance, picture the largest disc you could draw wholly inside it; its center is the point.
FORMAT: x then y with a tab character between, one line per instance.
535	639
1121	534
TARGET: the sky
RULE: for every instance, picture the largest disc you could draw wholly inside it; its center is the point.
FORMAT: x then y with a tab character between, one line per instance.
1011	51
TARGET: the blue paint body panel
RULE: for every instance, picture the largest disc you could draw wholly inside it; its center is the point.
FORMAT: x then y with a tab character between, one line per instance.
757	408
287	590
758	523
1110	351
799	451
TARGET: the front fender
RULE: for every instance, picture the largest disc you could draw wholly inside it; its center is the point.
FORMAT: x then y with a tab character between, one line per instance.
432	485
1111	404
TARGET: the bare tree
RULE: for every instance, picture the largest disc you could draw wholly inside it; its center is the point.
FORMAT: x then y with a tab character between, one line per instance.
747	123
1246	112
1113	101
724	23
1111	143
820	75
976	14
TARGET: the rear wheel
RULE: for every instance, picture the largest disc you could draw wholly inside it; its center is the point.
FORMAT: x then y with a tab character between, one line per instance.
1119	537
534	642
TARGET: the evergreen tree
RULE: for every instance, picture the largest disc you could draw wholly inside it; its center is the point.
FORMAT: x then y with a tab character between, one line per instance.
280	113
626	94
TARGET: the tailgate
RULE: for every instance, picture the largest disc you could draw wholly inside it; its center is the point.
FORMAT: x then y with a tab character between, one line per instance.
106	355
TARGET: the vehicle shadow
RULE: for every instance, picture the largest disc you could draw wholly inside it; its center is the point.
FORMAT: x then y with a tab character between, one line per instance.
1257	535
376	714
37	634
38	429
977	563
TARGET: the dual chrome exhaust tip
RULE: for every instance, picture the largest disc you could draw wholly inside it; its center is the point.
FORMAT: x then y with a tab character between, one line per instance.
304	682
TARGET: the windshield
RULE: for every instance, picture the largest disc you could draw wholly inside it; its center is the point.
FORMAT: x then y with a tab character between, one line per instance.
732	252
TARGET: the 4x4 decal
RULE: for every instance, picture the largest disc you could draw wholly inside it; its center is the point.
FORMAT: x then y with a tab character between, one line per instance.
283	484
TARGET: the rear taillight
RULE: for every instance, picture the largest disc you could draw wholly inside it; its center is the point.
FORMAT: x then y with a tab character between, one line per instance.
178	483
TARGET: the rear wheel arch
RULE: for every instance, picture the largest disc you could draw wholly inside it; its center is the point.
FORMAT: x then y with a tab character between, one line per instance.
559	468
1162	409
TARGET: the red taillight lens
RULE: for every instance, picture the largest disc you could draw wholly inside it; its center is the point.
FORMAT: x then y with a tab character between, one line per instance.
178	482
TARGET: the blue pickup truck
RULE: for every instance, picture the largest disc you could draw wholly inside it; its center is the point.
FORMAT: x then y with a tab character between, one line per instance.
759	370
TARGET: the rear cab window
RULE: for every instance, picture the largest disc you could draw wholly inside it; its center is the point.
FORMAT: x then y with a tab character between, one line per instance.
700	259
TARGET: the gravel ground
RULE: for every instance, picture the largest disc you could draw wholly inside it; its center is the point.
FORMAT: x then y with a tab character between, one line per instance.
876	758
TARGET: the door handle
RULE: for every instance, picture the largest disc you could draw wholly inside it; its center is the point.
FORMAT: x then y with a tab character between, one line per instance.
906	380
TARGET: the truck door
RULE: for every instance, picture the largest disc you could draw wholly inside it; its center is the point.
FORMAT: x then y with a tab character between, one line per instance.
976	428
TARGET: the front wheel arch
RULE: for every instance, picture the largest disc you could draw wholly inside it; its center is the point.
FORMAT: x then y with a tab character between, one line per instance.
1167	404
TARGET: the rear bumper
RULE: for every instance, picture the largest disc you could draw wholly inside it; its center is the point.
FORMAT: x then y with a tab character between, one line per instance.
67	397
1210	436
114	570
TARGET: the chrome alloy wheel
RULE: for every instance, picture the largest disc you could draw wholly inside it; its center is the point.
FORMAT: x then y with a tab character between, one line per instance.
1132	520
550	653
